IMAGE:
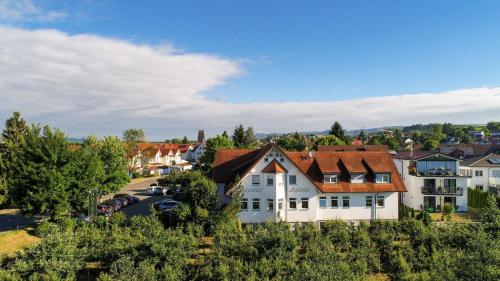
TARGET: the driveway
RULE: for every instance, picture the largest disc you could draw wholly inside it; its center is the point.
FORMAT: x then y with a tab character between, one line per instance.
138	188
10	219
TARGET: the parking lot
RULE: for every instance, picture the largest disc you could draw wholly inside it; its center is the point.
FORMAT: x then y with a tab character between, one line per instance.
138	188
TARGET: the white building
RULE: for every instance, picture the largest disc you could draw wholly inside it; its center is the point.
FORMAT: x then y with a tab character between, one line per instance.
334	183
432	180
199	149
485	171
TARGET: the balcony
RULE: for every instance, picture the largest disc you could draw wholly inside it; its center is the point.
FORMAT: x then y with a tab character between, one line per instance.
439	173
432	190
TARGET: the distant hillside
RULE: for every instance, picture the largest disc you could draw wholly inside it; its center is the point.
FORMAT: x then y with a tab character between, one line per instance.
353	132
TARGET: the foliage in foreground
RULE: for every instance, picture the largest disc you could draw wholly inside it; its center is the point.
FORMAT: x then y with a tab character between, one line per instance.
142	249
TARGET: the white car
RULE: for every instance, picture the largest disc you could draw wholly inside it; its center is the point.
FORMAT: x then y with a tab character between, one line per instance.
155	190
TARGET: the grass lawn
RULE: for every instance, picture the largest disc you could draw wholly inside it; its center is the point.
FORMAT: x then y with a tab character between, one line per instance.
456	217
16	240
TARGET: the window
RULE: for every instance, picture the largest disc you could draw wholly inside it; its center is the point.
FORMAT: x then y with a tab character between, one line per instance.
270	180
335	202
495	173
380	201
244	204
478	173
383	178
293	203
330	179
256	204
305	203
270	204
255	180
369	201
359	178
479	186
345	202
280	204
322	202
292	179
266	159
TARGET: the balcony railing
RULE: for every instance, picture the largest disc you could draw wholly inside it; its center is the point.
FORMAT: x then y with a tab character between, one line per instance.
431	190
440	173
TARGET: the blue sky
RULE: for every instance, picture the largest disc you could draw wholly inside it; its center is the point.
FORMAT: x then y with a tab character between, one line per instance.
298	51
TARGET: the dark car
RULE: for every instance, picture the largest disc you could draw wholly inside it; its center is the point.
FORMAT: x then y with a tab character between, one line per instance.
123	201
135	198
130	200
165	205
103	208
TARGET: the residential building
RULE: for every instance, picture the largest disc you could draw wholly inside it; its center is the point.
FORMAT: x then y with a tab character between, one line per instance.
485	171
352	183
432	179
156	158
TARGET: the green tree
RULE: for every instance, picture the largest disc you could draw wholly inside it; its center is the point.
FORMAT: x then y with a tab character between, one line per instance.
239	136
375	140
113	156
211	147
295	142
493	126
431	144
250	141
41	177
328	140
337	130
185	140
392	143
4	190
131	138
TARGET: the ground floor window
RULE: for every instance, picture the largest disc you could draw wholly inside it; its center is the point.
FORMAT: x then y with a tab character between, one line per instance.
270	204
346	202
429	202
256	204
451	201
380	201
244	204
322	202
293	203
305	203
479	186
280	204
369	201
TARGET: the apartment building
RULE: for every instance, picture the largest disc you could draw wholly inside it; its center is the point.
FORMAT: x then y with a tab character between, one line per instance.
352	183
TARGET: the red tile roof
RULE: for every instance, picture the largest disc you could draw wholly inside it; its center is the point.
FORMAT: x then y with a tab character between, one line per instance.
323	148
274	168
232	162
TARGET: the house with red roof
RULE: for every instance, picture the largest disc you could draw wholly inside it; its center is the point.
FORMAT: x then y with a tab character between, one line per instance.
352	183
157	158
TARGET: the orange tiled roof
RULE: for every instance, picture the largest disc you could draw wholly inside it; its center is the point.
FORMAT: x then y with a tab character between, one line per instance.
274	168
231	162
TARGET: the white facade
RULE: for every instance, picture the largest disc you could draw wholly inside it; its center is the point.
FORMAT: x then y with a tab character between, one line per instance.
276	188
197	152
432	191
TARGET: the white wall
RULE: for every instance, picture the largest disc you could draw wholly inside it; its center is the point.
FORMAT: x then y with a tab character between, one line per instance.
306	189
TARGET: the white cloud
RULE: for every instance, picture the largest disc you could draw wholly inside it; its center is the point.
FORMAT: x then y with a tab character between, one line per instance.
88	84
16	11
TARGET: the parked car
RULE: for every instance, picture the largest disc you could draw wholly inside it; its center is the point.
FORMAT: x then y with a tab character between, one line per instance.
115	204
135	198
103	208
155	190
165	205
123	201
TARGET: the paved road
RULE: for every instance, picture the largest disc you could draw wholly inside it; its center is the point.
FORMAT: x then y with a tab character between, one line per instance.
11	220
138	188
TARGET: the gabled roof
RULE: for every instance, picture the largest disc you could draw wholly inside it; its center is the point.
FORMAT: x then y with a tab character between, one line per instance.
232	162
489	160
323	148
274	167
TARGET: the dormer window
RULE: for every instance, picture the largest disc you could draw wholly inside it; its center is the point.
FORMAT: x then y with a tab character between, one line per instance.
358	178
382	178
330	178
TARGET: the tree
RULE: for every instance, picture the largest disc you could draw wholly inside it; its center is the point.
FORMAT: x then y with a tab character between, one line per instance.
41	173
12	138
131	138
362	135
493	126
112	153
328	140
212	145
4	190
239	136
185	140
431	144
375	140
295	142
337	130
249	141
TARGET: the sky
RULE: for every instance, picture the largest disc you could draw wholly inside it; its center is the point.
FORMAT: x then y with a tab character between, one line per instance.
174	67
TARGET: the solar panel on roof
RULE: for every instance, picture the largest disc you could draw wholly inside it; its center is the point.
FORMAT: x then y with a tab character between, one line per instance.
494	160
